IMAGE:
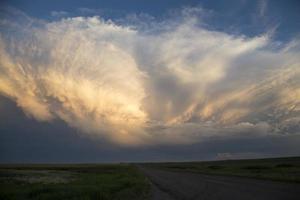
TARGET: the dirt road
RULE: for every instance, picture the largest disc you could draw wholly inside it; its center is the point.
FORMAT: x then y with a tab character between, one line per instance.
168	185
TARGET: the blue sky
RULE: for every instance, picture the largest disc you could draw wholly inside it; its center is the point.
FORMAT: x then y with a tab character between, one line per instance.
110	81
237	16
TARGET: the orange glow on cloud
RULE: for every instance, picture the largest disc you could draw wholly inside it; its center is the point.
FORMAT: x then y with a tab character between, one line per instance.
179	85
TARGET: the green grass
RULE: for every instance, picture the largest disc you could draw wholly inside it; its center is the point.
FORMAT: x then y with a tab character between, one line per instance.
277	169
105	182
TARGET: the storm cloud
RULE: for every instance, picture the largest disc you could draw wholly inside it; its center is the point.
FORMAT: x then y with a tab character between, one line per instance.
138	85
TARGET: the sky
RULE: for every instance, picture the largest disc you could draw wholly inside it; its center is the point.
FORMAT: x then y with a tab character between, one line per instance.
138	81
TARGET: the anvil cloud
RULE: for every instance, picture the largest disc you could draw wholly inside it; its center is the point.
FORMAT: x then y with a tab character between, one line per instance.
178	84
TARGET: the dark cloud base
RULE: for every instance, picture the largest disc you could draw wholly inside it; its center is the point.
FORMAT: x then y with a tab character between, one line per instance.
24	140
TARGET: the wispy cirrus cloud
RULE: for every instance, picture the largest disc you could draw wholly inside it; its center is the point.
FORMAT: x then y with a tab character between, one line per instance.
59	14
262	7
178	84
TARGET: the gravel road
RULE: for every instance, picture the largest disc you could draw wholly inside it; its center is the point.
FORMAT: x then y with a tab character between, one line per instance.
167	185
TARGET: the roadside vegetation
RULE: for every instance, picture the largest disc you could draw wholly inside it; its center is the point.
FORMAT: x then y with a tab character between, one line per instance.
277	169
43	182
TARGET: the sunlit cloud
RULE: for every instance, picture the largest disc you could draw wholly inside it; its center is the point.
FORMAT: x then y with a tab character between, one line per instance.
179	84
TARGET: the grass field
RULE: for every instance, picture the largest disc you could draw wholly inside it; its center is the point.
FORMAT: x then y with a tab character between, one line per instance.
105	182
124	181
278	169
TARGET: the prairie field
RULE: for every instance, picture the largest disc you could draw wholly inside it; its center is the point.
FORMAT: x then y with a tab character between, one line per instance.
132	180
92	181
